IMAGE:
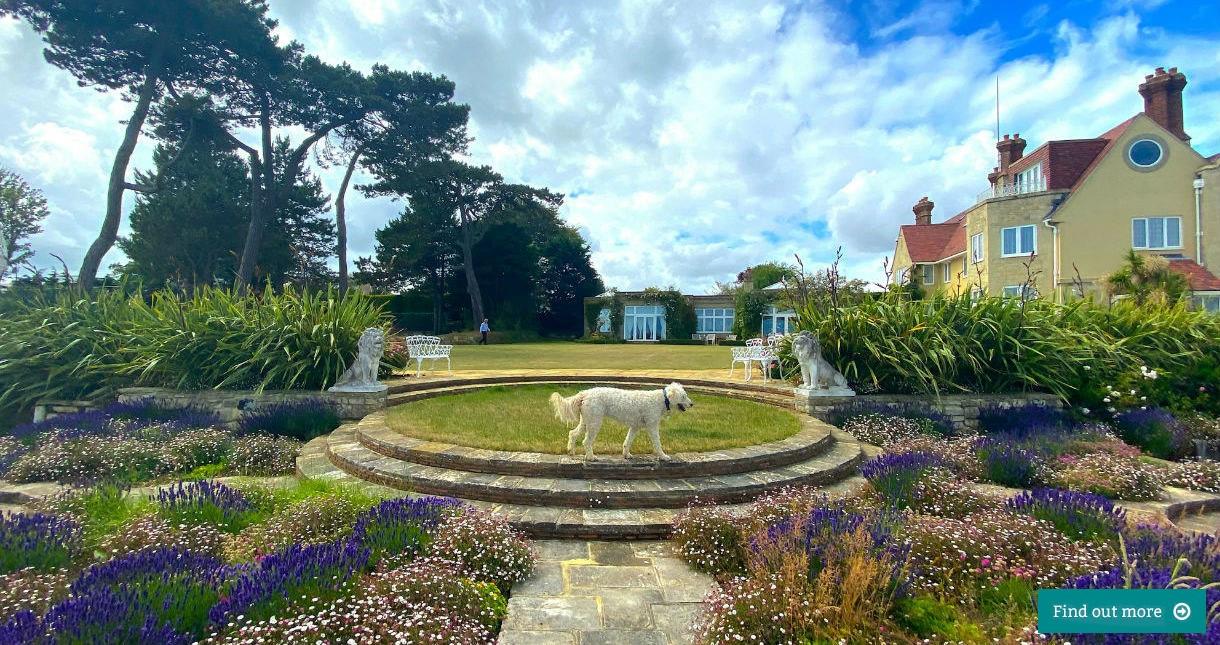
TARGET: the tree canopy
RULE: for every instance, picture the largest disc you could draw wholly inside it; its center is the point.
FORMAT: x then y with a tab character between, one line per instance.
22	210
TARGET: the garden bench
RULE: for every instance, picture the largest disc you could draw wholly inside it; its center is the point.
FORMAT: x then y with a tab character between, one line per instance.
755	351
428	348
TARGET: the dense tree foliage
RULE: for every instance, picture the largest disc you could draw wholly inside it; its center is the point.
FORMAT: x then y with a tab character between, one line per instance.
144	49
535	269
22	210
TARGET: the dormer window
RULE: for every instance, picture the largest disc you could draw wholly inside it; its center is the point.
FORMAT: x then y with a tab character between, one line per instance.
1145	153
1030	180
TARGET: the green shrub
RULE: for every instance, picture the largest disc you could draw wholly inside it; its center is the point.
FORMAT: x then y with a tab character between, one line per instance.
77	347
927	617
946	345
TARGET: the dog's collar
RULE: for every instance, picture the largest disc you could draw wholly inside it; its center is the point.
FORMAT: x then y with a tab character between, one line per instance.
666	395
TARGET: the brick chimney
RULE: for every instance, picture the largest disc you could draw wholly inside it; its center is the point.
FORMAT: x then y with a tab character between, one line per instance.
923	210
1011	149
1162	92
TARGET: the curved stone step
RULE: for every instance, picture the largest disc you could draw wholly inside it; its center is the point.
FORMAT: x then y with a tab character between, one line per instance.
344	451
777	399
541	522
409	385
813	439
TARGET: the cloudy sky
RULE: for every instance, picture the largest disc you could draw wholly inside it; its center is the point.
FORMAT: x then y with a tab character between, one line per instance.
693	138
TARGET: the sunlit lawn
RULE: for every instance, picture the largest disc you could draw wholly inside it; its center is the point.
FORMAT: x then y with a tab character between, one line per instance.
519	418
567	355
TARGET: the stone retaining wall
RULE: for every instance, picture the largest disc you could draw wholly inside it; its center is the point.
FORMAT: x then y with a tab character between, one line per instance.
962	409
229	404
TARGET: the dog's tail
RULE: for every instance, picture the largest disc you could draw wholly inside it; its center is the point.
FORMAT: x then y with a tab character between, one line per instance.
567	410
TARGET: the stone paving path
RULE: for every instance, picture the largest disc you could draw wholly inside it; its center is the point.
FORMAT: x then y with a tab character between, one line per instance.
604	593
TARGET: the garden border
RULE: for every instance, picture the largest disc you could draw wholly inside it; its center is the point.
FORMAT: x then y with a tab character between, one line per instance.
229	404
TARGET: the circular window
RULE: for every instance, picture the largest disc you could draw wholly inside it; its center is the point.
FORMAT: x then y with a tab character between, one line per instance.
1145	153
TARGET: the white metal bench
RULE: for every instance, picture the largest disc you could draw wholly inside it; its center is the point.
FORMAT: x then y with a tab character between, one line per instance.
428	348
755	351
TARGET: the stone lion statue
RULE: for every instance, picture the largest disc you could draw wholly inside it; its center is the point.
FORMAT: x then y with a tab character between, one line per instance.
816	373
361	375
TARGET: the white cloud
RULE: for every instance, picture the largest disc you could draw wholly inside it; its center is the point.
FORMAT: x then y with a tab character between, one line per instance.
690	143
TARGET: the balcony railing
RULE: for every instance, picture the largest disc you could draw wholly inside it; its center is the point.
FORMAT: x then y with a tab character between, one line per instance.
1013	189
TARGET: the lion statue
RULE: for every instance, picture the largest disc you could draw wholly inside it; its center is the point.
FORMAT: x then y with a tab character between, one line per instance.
816	373
361	375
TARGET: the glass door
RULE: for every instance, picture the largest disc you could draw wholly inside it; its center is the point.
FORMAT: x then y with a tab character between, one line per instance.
643	323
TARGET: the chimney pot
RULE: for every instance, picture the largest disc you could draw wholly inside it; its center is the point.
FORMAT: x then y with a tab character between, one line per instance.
923	211
1010	149
1162	94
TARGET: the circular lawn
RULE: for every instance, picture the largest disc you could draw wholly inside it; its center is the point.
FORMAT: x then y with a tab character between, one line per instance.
519	418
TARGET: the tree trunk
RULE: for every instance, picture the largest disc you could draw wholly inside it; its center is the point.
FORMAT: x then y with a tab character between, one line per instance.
118	178
472	283
341	220
262	206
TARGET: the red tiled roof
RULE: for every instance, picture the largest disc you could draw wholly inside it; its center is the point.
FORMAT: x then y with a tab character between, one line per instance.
934	242
1199	277
1111	136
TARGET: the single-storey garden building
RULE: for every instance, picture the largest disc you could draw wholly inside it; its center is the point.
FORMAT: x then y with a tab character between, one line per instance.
655	315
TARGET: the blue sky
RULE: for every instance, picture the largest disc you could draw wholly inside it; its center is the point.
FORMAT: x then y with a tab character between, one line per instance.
693	139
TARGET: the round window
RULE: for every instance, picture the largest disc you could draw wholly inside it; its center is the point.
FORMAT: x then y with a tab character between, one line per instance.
1145	153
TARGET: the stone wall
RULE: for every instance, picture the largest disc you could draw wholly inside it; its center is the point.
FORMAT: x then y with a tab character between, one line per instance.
962	409
229	404
44	410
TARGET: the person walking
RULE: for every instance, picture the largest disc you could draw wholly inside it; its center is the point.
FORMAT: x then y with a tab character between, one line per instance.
483	329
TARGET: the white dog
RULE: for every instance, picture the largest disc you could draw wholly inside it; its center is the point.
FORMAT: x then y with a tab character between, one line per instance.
636	409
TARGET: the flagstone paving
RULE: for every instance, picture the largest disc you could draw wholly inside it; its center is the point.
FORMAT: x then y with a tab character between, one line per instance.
587	593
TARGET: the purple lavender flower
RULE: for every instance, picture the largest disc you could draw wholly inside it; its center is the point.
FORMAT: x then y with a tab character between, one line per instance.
1077	515
402	525
206	502
1143	577
316	571
146	565
21	628
302	420
1023	421
1154	430
894	476
109	616
37	540
147	412
1007	462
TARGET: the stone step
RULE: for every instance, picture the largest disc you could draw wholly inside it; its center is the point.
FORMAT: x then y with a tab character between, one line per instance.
770	398
344	451
410	385
813	439
541	522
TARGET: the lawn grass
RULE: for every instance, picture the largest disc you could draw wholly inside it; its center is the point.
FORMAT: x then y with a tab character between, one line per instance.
569	355
519	418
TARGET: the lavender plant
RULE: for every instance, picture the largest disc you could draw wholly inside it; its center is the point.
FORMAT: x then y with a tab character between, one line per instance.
37	540
320	571
398	530
1083	516
1007	463
1154	430
1022	421
301	420
893	476
206	502
177	587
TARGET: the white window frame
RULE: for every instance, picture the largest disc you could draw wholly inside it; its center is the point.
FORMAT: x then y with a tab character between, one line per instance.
1017	241
1159	148
707	317
1030	180
948	271
976	248
928	271
1146	222
1208	301
1022	291
603	320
